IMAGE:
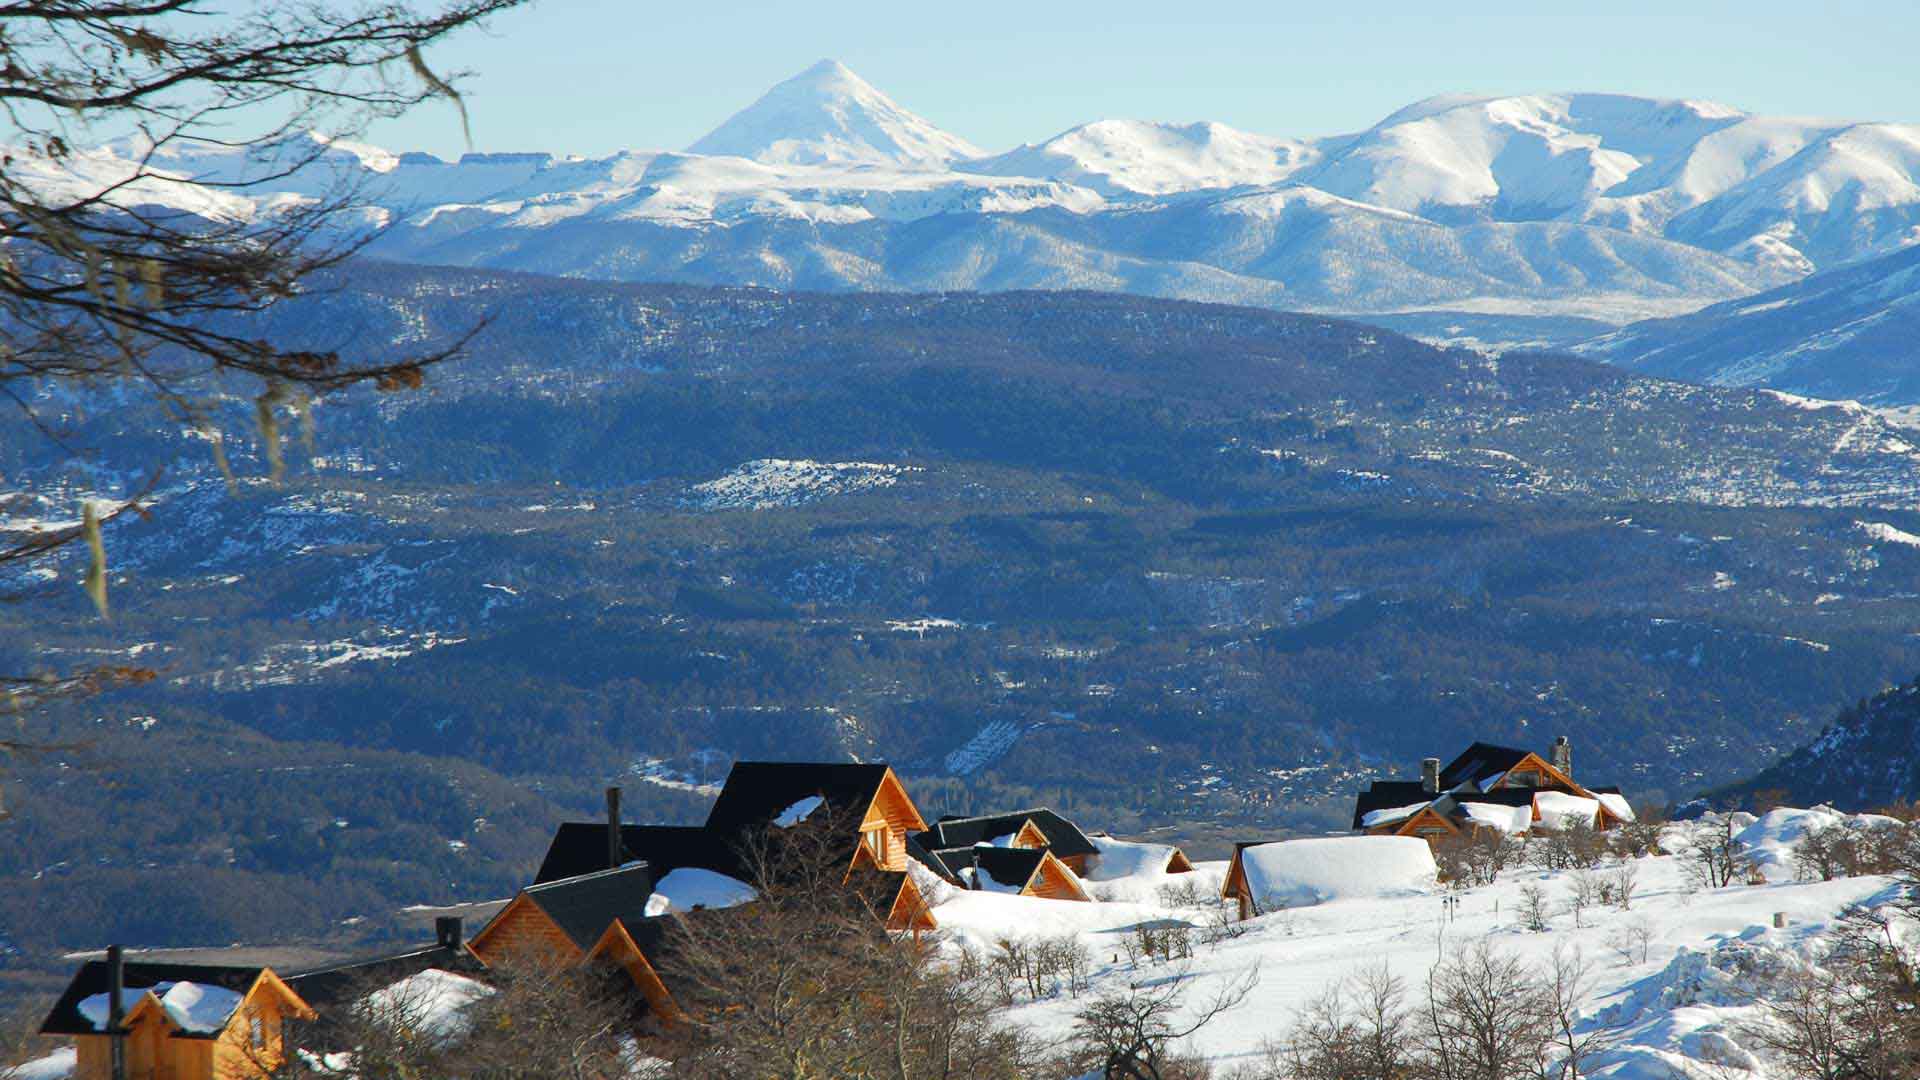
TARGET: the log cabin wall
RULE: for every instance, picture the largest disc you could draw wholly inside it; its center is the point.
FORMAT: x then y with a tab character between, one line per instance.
524	930
1052	881
893	812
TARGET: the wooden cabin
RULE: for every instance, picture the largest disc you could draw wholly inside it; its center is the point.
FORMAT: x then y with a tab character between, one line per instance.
178	1021
600	917
1487	788
1019	871
1035	828
865	800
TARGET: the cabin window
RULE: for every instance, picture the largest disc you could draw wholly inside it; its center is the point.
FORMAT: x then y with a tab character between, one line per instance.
259	1034
877	843
1429	831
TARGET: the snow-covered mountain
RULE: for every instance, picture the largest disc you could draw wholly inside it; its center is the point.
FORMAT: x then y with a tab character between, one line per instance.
827	114
1852	333
1602	206
1128	158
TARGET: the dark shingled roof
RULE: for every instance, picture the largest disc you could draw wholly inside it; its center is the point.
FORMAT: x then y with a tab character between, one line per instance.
1388	794
584	906
1064	838
1012	867
332	988
580	847
878	889
756	792
1478	762
92	978
328	987
925	856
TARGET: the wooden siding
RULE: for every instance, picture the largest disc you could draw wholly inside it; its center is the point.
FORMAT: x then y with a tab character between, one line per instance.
1052	880
522	929
910	911
1424	825
1178	863
1029	836
617	946
892	810
155	1052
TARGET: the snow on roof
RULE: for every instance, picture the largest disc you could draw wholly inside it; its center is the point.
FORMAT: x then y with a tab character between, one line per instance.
1117	859
195	1008
1558	809
690	887
1298	872
1616	805
1391	814
1507	819
797	813
431	1002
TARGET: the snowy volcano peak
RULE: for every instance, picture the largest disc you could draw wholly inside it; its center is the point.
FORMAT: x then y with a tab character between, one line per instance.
829	115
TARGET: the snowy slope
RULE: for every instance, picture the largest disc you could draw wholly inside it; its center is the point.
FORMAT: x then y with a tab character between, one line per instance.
1669	1007
1124	158
1849	333
827	114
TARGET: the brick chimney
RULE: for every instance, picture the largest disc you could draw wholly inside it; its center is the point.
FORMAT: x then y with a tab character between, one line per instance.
1430	776
1563	755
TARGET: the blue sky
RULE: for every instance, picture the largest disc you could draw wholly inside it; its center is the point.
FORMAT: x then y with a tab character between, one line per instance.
594	76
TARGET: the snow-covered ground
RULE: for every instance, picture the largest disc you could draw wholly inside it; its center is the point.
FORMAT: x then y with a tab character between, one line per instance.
1685	997
1674	977
775	482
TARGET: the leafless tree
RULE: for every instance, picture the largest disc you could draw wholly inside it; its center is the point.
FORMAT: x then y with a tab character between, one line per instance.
1585	891
806	981
107	284
1134	1034
1632	941
1477	859
1570	1045
1620	884
1711	857
1357	1030
1533	908
1482	1019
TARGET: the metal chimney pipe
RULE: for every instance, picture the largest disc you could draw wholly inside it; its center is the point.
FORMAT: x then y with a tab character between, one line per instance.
117	1010
614	846
447	929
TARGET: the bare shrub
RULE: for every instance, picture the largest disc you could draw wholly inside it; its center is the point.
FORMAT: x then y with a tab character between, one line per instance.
1477	859
1619	885
806	981
1533	908
1632	941
1711	857
1482	1019
1135	1033
1585	890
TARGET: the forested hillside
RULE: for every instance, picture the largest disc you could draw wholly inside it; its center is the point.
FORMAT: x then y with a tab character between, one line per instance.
1154	563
